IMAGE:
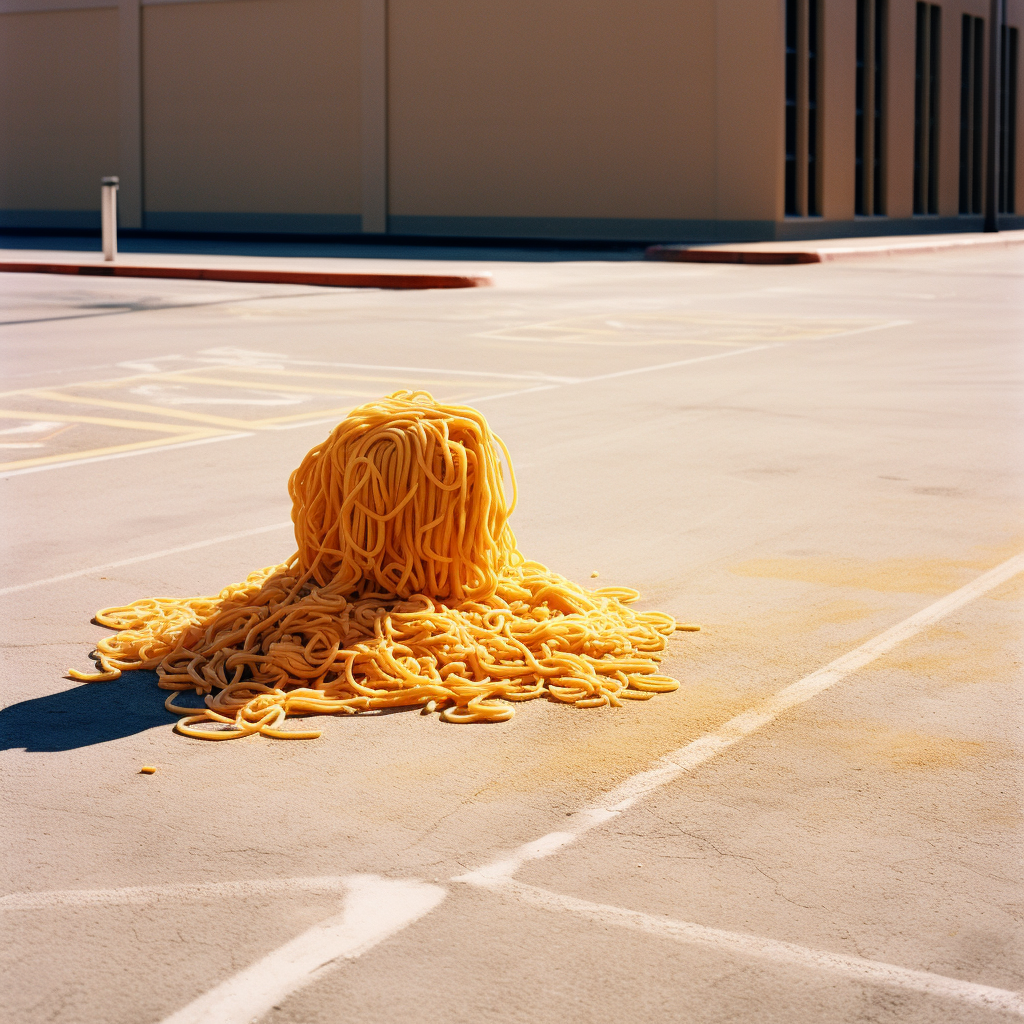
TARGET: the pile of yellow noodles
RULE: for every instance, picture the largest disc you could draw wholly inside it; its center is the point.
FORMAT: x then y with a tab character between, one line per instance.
407	589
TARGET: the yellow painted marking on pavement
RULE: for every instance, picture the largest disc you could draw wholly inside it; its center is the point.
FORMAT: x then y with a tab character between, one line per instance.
153	410
630	329
166	428
77	456
76	384
411	382
308	414
266	386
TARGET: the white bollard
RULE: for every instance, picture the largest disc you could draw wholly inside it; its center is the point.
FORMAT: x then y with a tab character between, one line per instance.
108	216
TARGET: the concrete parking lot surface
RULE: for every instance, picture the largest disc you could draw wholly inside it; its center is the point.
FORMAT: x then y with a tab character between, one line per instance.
802	459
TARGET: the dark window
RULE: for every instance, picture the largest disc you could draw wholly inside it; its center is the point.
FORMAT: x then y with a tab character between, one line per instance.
792	34
803	89
877	168
971	126
813	28
926	108
870	135
1008	120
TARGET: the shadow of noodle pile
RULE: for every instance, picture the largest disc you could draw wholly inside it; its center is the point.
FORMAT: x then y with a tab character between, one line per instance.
407	589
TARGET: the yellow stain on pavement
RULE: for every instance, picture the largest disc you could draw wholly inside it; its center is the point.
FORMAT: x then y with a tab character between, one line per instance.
888	575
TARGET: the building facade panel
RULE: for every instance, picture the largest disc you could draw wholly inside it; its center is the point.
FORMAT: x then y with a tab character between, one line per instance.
656	120
251	107
580	109
58	113
749	96
838	160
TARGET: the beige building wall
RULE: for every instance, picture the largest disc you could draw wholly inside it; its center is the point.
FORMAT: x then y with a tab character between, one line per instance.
838	108
749	127
58	108
581	108
654	119
899	104
251	106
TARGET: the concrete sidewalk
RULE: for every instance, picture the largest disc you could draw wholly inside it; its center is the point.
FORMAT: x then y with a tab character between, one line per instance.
334	273
825	250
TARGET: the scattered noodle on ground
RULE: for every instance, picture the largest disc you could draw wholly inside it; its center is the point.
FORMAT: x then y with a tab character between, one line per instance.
407	589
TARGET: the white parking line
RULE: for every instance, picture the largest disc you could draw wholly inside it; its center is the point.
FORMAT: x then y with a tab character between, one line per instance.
184	892
374	908
377	908
557	382
145	558
570	382
872	972
694	754
122	455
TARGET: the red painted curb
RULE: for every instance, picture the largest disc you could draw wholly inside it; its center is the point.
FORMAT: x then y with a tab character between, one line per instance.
825	254
323	278
668	254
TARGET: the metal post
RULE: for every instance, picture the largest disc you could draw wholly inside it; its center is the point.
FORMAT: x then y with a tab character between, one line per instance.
108	216
992	156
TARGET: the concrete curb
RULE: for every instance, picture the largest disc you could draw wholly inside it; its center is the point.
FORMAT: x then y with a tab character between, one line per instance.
321	278
780	253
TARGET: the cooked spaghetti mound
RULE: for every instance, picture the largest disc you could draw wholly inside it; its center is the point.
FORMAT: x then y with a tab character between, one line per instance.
407	589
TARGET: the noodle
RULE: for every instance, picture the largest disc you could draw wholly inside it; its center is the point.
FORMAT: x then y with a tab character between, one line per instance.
407	589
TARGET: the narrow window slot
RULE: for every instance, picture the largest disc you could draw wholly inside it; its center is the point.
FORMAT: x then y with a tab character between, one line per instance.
870	107
813	29
926	108
861	114
971	125
978	138
803	91
878	168
792	34
1008	119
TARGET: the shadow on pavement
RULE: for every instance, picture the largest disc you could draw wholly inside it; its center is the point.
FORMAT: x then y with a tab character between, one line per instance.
392	249
88	714
98	712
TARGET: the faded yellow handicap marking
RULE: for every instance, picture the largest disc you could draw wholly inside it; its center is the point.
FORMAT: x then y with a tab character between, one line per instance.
48	437
691	328
210	395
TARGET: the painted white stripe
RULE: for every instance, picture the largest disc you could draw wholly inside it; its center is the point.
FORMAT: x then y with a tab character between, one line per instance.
570	382
303	423
872	972
862	330
694	754
138	895
681	362
121	455
738	352
557	382
520	391
374	909
146	558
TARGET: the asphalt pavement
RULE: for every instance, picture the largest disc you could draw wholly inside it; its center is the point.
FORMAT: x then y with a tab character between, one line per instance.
820	464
